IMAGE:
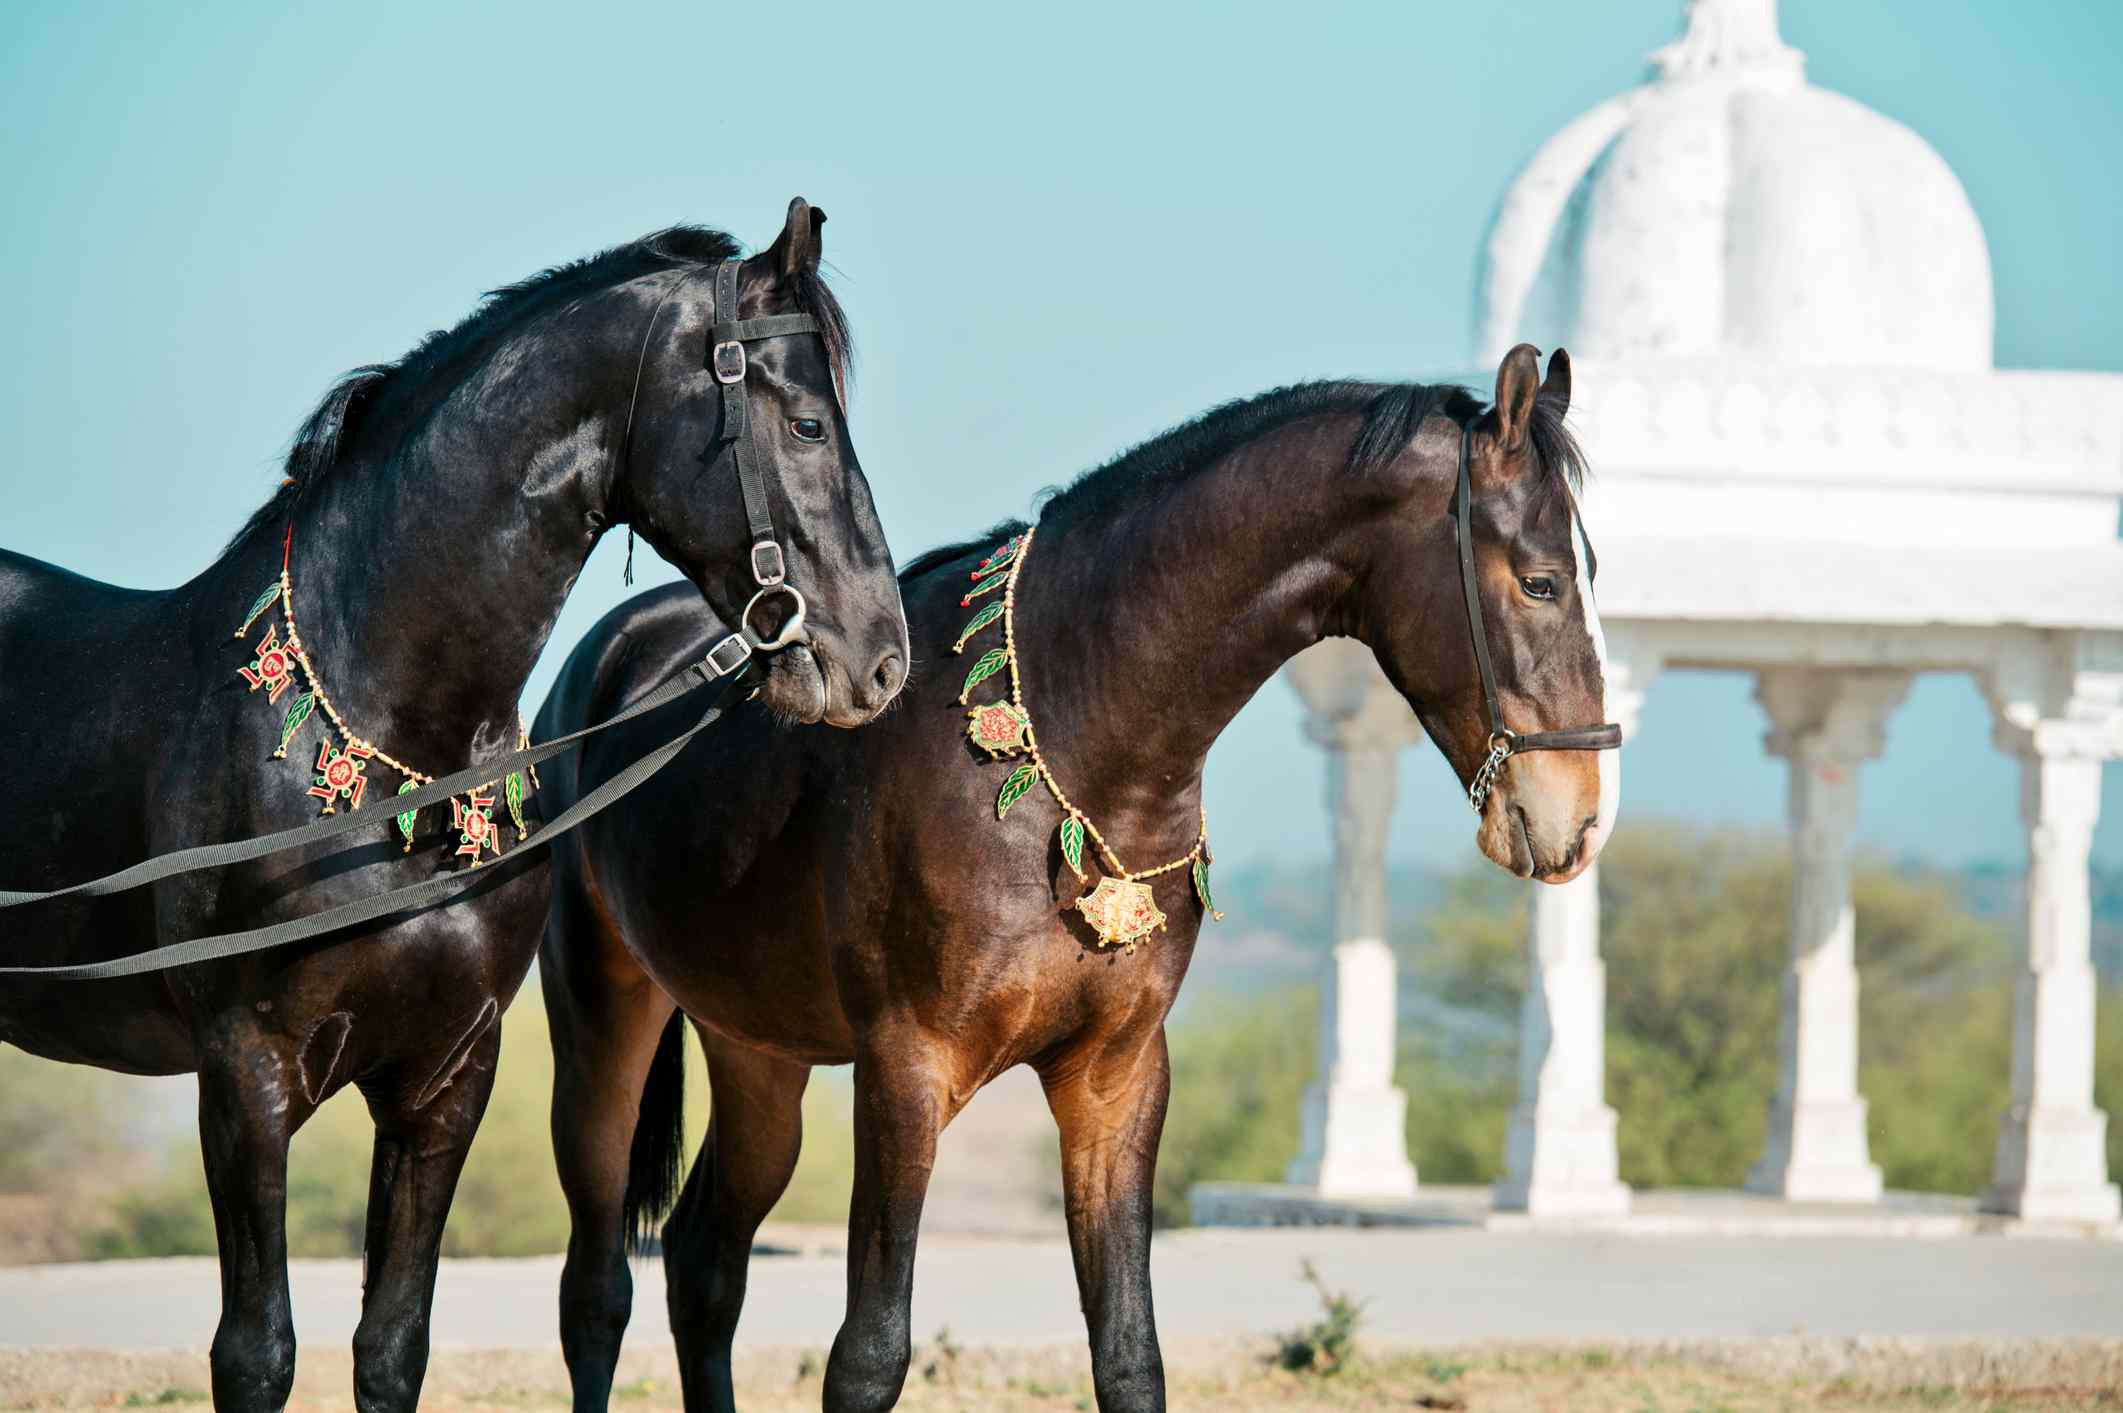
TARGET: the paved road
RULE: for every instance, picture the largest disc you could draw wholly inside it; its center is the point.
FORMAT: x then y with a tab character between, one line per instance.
1449	1285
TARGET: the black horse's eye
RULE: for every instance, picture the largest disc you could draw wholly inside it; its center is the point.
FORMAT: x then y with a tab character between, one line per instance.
807	429
1537	586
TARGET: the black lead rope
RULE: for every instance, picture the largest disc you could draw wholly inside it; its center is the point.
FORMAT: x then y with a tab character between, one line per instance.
1504	743
412	895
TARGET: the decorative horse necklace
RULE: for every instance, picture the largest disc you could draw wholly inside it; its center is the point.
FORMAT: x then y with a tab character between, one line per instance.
341	771
1121	909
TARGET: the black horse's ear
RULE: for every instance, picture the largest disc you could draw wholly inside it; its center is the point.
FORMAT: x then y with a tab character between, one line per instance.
1555	387
1517	384
797	248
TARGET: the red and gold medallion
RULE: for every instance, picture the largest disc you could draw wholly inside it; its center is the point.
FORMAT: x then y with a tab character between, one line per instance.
341	775
1122	911
998	728
473	818
273	668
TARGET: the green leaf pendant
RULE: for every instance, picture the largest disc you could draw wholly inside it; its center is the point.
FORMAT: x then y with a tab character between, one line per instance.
298	711
987	665
980	620
406	820
264	601
981	588
1021	779
1072	843
512	790
1201	889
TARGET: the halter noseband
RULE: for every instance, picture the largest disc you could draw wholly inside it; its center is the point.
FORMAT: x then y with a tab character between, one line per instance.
726	360
1504	743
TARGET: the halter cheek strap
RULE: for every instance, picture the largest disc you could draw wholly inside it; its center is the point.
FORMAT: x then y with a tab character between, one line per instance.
1504	743
726	360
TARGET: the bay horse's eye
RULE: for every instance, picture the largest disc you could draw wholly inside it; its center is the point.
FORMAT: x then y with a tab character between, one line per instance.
1537	586
807	429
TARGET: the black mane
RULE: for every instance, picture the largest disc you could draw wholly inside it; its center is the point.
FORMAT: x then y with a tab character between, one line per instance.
315	449
1392	412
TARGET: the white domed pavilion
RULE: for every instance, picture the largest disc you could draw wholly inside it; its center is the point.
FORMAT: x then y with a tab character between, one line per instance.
1778	304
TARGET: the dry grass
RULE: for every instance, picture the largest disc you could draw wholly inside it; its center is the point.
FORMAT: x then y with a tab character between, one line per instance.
1740	1376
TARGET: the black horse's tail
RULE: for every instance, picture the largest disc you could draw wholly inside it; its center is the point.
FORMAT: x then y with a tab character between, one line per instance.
656	1162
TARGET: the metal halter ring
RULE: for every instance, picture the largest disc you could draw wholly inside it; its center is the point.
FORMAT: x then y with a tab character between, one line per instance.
791	629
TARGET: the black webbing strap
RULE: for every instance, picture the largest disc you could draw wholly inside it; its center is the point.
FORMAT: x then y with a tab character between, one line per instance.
726	661
412	895
726	360
1463	535
1503	741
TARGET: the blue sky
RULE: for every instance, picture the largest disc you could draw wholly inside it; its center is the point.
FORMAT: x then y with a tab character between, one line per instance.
1058	230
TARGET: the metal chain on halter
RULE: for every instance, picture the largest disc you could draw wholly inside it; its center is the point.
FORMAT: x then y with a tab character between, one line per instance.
1485	776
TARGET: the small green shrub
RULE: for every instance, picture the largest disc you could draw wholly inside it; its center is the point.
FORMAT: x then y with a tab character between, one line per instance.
1328	1344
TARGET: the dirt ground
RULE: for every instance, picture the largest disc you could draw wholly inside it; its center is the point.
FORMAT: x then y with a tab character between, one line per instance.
1740	1376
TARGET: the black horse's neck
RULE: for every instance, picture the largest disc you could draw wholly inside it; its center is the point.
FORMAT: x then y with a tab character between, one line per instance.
430	563
1144	628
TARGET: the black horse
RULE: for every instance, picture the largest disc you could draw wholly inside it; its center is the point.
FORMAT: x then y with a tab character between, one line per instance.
434	515
937	898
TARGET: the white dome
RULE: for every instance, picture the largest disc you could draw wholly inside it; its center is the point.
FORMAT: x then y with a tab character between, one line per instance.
1730	207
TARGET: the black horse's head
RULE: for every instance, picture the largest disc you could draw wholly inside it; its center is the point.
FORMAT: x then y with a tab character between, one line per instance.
679	485
1544	813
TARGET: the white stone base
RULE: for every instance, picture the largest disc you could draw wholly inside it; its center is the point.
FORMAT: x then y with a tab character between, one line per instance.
1353	1143
1818	1154
2053	1167
1653	1212
1562	1166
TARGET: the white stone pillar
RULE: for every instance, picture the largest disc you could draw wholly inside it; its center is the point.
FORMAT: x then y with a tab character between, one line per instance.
1559	1152
1827	724
2052	1162
1353	1127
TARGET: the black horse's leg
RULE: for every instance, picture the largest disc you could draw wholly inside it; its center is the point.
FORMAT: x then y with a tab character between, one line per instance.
754	1134
251	1102
424	1128
607	1017
903	1098
1110	1108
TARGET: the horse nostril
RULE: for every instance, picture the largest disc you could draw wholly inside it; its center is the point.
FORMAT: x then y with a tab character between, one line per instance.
891	671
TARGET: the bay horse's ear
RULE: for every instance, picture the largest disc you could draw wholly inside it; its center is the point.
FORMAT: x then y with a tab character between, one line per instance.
1556	386
1517	384
797	248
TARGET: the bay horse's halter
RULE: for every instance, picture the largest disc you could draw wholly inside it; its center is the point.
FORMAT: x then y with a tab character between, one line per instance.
726	360
1505	743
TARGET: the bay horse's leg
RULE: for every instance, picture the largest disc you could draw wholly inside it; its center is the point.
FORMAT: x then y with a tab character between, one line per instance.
1110	1108
251	1101
607	1018
755	1130
422	1136
903	1098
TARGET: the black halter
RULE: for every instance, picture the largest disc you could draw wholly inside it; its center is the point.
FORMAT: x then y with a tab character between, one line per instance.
1504	743
726	360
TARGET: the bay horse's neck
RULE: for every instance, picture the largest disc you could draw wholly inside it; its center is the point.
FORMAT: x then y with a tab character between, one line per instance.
429	567
1142	631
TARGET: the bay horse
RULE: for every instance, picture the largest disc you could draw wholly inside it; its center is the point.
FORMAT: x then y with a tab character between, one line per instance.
434	514
905	898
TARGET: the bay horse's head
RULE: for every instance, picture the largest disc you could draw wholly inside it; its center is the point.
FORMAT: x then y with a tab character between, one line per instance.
710	398
1545	805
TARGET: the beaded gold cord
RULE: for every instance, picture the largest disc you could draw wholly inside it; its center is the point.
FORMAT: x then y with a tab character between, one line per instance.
1121	908
341	771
